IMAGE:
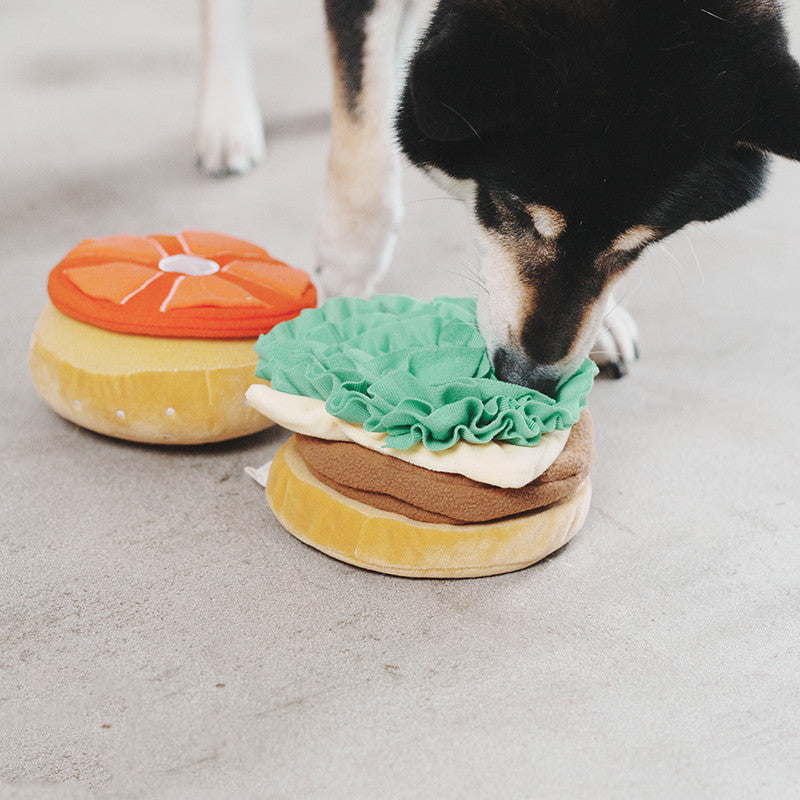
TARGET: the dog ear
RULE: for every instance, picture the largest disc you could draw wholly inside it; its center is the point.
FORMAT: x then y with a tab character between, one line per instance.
775	118
464	79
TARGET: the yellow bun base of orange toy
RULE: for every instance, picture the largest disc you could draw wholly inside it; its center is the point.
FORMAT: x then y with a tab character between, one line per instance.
382	541
144	388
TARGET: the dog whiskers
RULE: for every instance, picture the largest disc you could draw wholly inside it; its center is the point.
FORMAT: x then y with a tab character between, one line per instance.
704	229
716	16
464	120
617	304
669	254
475	272
696	260
471	278
429	199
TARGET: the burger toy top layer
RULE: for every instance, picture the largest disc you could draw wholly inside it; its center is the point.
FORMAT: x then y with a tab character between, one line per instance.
196	284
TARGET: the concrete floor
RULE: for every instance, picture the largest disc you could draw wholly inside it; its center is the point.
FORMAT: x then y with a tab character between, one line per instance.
162	637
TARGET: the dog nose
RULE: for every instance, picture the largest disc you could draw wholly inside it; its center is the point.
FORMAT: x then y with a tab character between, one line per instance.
514	367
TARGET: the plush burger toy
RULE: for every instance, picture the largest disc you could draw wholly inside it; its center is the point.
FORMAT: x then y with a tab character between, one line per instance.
150	338
409	457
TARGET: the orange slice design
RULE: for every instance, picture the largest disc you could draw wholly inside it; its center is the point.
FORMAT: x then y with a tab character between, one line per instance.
194	284
286	280
116	281
125	248
208	290
208	245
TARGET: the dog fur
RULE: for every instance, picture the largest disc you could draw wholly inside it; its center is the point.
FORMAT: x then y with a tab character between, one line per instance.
578	132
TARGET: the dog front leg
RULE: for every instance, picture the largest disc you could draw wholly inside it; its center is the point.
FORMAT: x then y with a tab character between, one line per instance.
230	134
362	205
617	344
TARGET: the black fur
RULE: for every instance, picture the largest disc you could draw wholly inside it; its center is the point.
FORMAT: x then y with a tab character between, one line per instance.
346	19
614	112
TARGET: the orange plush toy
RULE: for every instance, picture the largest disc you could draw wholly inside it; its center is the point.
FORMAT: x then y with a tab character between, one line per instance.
151	338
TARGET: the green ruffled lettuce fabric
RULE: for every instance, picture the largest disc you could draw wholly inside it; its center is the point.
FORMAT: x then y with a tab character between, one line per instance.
416	371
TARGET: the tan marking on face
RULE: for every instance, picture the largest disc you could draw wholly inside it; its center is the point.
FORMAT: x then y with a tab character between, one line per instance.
511	264
547	221
508	299
634	238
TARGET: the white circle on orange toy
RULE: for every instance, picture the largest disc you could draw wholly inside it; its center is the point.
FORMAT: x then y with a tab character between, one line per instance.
188	265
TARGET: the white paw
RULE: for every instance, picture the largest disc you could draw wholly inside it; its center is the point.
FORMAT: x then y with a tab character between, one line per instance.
355	241
616	346
230	133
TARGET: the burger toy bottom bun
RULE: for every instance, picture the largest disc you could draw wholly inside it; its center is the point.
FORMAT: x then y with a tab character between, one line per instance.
144	388
384	541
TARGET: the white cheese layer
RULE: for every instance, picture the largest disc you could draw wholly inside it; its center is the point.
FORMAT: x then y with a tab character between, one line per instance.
509	466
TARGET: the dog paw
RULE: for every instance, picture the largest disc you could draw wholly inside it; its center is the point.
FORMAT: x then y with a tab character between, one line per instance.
230	136
616	346
355	242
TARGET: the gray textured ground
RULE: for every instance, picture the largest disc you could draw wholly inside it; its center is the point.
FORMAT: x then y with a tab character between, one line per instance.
161	636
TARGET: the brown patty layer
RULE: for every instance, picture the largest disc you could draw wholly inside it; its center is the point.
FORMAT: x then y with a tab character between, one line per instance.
385	482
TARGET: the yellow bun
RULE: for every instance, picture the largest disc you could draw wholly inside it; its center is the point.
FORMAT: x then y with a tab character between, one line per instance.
144	388
386	542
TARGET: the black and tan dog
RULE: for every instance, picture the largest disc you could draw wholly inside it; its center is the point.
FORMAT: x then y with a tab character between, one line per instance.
577	131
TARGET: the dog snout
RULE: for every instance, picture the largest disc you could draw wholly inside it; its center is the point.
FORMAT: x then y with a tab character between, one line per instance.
515	367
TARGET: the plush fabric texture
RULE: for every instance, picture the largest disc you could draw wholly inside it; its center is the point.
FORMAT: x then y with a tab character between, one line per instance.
384	482
496	463
417	371
141	388
387	542
194	284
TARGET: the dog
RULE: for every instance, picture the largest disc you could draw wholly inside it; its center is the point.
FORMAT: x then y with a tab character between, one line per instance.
578	132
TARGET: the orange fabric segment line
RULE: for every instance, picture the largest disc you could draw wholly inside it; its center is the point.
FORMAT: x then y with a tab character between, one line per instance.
136	249
113	281
169	245
208	290
209	245
281	278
